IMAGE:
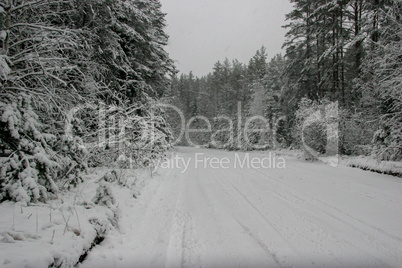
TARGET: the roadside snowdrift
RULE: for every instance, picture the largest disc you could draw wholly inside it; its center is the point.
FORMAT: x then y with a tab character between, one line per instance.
62	232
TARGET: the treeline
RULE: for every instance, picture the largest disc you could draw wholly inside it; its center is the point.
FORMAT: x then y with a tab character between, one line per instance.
77	83
346	51
232	90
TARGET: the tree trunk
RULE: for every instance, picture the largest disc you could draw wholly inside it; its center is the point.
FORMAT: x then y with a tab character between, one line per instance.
341	54
357	21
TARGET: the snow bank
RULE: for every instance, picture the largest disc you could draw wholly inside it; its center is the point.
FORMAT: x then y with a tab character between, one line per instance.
60	233
362	162
383	167
287	153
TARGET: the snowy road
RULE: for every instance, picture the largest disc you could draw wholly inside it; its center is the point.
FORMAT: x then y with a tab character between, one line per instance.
305	215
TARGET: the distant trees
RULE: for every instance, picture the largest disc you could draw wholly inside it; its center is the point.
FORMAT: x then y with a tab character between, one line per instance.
220	92
57	60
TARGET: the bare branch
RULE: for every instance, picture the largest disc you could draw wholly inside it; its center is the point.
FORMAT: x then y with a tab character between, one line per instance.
30	4
42	27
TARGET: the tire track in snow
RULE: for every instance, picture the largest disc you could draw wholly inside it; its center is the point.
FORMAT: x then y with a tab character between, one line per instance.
305	197
310	206
262	244
366	236
302	217
152	234
184	249
222	240
289	258
302	212
313	203
285	245
305	228
174	251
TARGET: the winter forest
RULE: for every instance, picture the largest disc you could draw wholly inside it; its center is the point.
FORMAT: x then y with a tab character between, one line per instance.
58	55
91	105
344	51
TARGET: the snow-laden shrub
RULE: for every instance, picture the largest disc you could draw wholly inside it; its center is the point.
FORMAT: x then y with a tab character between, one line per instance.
388	139
32	157
28	164
132	140
357	131
104	195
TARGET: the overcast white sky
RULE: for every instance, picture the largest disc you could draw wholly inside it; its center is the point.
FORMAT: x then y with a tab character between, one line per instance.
205	31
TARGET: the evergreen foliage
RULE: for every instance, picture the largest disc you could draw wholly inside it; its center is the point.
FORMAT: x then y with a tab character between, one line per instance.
61	63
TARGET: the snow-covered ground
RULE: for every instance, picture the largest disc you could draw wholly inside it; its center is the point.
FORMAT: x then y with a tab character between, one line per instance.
199	211
59	233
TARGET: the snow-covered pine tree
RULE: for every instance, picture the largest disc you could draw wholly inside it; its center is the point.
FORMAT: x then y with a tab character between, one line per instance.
382	71
27	165
42	67
277	107
129	39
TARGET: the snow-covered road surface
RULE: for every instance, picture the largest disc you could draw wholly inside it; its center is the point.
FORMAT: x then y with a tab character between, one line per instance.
305	215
